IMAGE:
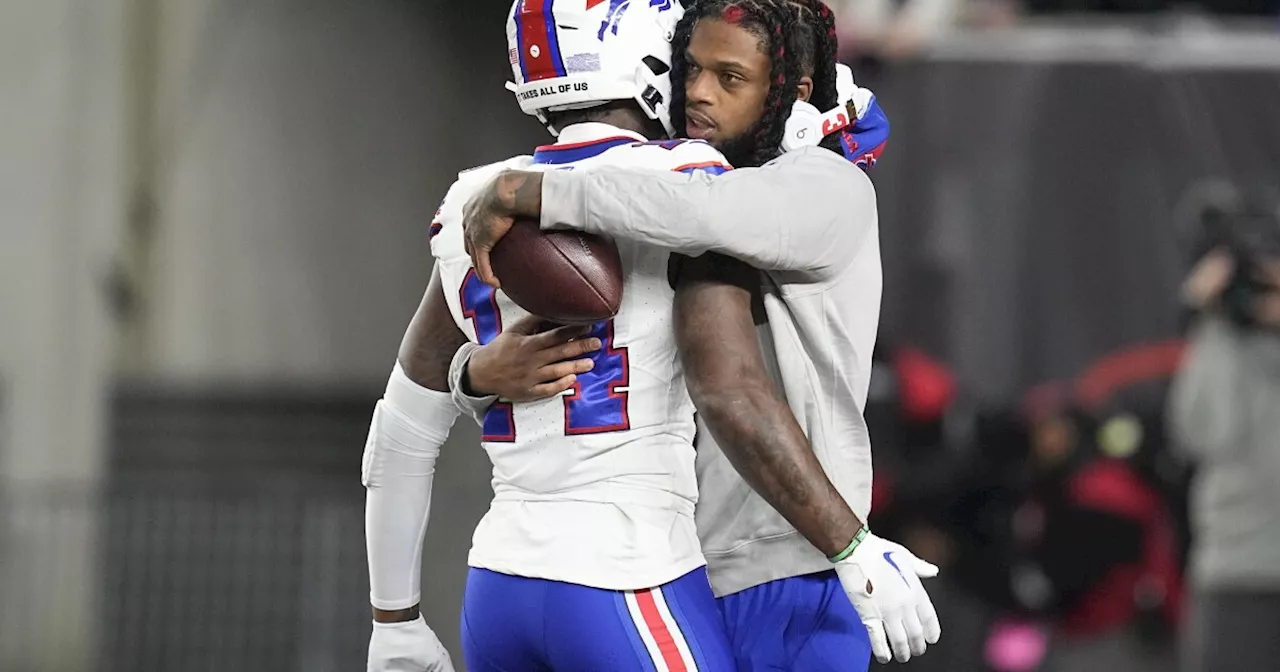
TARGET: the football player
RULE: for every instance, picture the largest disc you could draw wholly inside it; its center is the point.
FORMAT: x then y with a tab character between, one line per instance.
809	219
588	558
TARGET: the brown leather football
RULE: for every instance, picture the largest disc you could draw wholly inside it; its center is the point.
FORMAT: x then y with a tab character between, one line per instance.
564	276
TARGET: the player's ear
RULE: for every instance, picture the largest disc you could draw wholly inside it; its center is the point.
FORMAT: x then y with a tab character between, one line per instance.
804	88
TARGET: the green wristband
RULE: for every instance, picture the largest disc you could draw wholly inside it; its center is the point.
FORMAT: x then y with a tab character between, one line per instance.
848	550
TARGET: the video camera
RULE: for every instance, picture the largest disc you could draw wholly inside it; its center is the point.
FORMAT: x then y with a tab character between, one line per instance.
1246	222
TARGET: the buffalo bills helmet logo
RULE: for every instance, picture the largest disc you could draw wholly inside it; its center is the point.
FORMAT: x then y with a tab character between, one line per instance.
619	7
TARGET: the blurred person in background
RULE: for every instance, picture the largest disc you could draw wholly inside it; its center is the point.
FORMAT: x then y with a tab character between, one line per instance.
1229	7
1097	539
1225	412
1058	522
895	29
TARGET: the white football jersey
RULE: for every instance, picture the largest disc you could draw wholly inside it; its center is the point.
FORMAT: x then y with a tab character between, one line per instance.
596	486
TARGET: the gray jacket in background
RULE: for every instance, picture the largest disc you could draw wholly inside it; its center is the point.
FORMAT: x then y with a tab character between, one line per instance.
1224	410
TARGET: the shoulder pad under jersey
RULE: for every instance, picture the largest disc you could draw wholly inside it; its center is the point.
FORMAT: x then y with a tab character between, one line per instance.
446	225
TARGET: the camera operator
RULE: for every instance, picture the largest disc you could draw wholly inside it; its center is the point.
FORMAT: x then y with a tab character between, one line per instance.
1225	412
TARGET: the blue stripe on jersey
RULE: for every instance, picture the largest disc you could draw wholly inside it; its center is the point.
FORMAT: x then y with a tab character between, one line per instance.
709	168
672	143
557	155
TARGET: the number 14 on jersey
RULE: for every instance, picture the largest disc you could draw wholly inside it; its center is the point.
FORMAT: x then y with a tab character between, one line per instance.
595	404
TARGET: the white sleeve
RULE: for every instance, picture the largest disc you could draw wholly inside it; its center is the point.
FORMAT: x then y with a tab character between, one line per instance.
472	407
808	210
410	423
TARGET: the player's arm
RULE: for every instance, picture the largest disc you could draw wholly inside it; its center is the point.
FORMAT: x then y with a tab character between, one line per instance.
438	373
410	423
756	430
807	210
743	408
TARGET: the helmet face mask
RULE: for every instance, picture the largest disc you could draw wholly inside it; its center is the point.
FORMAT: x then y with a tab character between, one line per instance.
577	54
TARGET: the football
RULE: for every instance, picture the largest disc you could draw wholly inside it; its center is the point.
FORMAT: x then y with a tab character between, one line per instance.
567	277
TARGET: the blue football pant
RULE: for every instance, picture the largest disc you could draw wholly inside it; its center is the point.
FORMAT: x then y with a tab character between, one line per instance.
799	624
517	624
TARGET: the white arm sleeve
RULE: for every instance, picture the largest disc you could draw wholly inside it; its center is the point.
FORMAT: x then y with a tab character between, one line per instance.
410	423
807	210
472	407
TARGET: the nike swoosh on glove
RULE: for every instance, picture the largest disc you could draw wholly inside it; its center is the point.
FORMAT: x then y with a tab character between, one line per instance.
882	579
407	647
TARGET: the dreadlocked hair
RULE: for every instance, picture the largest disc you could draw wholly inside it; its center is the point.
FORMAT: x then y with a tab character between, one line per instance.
815	26
816	42
773	22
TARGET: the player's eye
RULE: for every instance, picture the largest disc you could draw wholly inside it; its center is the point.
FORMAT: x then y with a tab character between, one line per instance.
731	78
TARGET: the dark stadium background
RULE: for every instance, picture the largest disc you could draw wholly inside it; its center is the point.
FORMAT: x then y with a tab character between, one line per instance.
215	232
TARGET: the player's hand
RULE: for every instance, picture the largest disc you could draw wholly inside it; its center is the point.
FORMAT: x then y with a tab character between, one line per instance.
858	121
1266	309
1210	276
864	142
525	363
410	646
882	579
488	216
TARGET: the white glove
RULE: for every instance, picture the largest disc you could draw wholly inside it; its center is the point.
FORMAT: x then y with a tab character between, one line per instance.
807	125
849	92
882	579
845	86
407	647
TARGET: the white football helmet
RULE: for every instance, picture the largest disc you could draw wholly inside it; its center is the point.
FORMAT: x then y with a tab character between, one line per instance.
575	54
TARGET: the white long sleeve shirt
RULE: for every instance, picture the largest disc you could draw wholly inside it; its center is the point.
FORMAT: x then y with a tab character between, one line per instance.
808	219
